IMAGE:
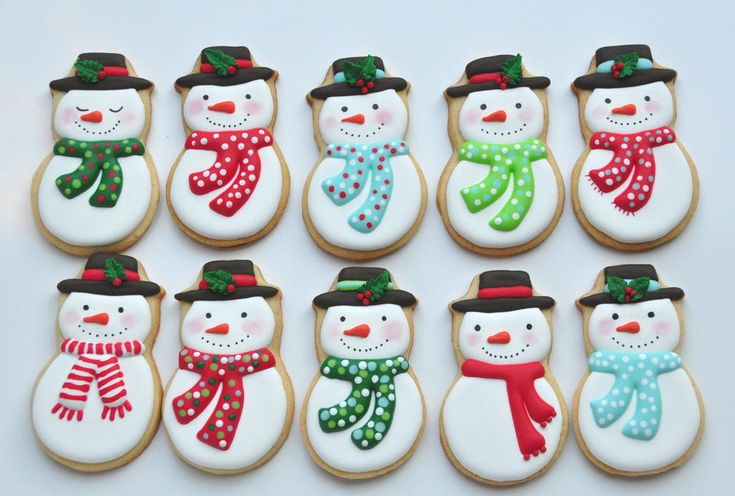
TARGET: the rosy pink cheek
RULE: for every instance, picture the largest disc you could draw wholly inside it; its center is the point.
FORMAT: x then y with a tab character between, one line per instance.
71	317
600	111
529	338
330	122
128	320
252	327
472	116
652	107
68	115
661	328
253	107
474	339
606	327
527	115
385	116
393	330
127	117
194	326
334	331
195	107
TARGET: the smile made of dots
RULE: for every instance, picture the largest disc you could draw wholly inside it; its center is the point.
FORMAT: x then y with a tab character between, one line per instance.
104	335
496	133
503	357
236	125
97	132
644	345
620	123
362	350
240	341
366	135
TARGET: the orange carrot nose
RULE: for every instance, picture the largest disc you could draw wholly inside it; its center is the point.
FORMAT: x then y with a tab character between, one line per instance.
361	331
218	329
625	109
497	116
98	318
95	116
227	107
357	119
631	327
503	337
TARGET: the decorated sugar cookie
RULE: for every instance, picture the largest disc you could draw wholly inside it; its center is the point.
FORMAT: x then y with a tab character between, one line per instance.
366	196
364	412
230	184
96	404
504	419
229	405
635	186
501	192
637	411
97	190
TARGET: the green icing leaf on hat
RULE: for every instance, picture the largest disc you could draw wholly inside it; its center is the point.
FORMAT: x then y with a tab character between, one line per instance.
114	270
377	287
629	292
88	70
219	281
364	69
220	61
513	69
630	64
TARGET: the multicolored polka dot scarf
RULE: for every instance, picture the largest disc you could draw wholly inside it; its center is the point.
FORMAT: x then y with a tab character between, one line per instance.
361	162
632	157
369	378
215	370
635	374
235	168
512	160
97	157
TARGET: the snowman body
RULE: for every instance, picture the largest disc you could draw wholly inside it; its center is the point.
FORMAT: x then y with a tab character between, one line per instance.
252	107
75	221
681	416
672	190
251	326
374	118
94	439
521	117
389	336
476	417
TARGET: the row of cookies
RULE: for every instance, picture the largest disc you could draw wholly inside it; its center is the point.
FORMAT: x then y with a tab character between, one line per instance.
229	405
501	192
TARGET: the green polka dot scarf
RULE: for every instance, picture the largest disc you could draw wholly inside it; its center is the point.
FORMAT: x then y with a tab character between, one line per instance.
509	162
369	378
97	158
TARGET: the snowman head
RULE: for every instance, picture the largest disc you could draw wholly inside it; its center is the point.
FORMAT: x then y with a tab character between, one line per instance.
630	109
94	115
101	318
210	107
501	116
369	118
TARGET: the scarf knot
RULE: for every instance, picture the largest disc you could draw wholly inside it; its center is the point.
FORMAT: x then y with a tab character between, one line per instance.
511	162
362	162
236	168
217	370
635	374
370	378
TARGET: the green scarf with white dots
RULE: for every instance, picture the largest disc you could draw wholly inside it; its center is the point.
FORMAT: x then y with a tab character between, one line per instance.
369	378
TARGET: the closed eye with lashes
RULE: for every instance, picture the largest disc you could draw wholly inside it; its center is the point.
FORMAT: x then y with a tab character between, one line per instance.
116	110
84	109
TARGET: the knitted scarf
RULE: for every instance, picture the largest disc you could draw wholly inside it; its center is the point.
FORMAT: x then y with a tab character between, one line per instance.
96	362
369	378
235	168
632	157
635	374
215	370
361	162
525	402
509	162
96	157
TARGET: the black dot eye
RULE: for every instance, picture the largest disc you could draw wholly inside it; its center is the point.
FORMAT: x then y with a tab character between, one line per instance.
86	307
342	319
607	100
244	314
529	326
344	109
120	309
518	105
248	97
383	318
208	315
477	328
483	107
647	98
615	316
205	97
651	315
375	106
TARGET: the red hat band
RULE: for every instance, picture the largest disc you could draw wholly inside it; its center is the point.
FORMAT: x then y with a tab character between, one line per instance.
505	292
241	280
239	64
99	275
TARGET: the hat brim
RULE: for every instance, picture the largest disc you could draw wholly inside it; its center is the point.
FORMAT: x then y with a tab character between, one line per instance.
536	82
240	76
638	78
344	89
349	298
492	305
660	294
143	288
109	83
241	292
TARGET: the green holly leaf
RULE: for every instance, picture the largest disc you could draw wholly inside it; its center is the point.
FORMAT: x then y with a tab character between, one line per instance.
640	286
363	69
616	287
220	61
218	281
114	270
513	69
630	64
377	286
88	70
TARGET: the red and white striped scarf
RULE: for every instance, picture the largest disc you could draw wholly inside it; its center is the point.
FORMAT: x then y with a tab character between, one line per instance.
96	361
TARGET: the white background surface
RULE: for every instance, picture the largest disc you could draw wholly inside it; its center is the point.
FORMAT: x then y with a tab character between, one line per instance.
429	45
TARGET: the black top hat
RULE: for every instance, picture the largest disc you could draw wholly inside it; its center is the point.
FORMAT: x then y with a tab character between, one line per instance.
100	71
643	73
341	86
225	66
628	273
110	275
503	291
227	280
350	284
485	74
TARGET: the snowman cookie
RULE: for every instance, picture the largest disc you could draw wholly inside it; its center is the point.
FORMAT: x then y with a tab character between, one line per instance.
364	412
634	186
229	406
98	189
637	411
230	184
97	402
366	196
501	192
504	420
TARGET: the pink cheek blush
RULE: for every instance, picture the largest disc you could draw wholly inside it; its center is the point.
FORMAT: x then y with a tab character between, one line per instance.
71	317
661	328
252	327
529	338
195	107
384	116
253	107
600	111
69	115
333	332
194	326
129	320
474	339
330	122
393	330
652	107
126	117
473	116
527	115
606	327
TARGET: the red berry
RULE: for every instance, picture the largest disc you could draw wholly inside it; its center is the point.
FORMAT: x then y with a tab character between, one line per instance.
503	86
633	292
506	79
627	298
366	301
364	89
368	293
370	84
231	69
101	75
230	288
619	65
117	282
360	82
360	296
